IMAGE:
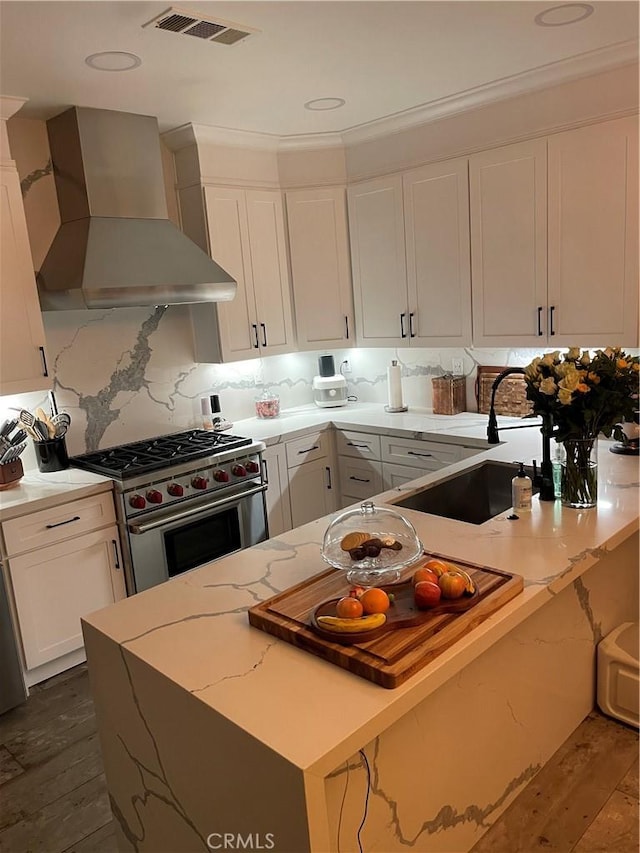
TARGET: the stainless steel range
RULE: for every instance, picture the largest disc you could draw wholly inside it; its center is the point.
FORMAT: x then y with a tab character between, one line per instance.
183	500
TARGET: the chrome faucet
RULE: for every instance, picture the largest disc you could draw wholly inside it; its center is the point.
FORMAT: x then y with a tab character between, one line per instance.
543	480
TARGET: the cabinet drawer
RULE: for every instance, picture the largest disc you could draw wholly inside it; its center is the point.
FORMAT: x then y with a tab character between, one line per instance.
422	455
307	449
360	445
58	523
360	479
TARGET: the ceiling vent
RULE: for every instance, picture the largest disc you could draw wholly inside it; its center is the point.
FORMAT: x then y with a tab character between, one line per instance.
186	23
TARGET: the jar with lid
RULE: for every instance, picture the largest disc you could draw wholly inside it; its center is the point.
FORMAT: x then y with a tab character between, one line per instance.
267	404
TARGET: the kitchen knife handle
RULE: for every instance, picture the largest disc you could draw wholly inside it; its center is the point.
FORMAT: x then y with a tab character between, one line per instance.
45	371
254	326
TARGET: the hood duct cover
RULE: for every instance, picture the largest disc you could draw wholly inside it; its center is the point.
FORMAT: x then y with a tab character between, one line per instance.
116	246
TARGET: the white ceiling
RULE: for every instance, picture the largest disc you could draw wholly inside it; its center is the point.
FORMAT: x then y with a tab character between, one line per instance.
383	58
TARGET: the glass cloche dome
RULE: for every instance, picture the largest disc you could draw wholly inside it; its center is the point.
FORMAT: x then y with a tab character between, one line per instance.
372	544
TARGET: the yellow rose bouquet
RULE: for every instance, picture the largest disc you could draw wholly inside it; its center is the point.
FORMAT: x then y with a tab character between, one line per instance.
580	396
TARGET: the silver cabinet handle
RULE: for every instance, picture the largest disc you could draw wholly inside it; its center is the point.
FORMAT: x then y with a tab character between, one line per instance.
415	453
60	523
309	449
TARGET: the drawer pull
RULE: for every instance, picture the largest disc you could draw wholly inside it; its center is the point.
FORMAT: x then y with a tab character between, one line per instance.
415	453
403	334
328	470
254	326
551	329
116	555
264	334
346	326
309	449
45	369
539	320
360	479
412	334
60	523
355	444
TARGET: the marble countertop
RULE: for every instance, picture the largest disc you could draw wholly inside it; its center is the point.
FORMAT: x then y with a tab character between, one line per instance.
37	491
194	628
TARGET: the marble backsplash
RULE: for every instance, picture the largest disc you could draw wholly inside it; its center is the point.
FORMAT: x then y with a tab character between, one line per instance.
129	373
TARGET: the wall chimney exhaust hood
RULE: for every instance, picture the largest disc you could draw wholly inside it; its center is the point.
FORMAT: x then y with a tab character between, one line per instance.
116	246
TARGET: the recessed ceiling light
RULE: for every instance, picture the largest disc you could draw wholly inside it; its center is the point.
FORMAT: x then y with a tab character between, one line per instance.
113	60
567	13
325	104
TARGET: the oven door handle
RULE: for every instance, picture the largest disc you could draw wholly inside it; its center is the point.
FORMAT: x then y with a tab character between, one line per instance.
145	526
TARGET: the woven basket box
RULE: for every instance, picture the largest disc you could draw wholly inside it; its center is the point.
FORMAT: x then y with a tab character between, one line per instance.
449	395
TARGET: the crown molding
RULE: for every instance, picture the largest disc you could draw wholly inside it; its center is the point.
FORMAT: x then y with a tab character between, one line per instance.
10	105
555	73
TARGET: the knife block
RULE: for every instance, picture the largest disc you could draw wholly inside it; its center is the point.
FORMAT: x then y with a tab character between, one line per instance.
11	473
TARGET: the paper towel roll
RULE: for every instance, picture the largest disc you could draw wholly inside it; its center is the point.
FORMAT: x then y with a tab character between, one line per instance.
394	375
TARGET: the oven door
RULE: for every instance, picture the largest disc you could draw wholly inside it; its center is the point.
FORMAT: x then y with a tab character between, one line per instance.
163	545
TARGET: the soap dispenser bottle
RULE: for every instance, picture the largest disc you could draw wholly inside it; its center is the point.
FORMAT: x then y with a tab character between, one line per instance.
521	490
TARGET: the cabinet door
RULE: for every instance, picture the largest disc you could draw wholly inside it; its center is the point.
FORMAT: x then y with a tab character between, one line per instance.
359	479
311	490
277	496
22	353
55	586
267	247
508	199
228	243
376	226
397	475
593	234
320	268
436	219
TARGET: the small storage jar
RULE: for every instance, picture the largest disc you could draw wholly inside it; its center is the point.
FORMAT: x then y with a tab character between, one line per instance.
267	405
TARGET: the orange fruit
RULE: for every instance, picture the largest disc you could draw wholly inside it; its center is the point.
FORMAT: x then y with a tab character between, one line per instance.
439	567
349	608
424	574
374	600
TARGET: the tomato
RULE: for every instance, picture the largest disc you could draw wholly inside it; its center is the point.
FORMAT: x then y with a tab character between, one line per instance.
426	594
424	574
452	585
349	608
375	600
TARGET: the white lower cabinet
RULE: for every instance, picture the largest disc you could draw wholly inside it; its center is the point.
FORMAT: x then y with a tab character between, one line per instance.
277	495
64	563
312	491
55	586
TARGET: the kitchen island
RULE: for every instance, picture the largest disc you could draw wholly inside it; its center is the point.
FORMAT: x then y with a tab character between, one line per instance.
216	735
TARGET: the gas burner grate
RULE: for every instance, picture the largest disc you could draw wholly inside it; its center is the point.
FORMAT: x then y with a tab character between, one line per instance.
153	454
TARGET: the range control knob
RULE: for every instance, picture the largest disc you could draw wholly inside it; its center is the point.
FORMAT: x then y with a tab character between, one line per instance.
252	467
238	470
175	490
220	475
137	502
199	482
154	496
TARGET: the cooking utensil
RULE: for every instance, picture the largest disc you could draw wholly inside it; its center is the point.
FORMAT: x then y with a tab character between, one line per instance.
25	417
44	418
61	423
41	429
53	404
18	438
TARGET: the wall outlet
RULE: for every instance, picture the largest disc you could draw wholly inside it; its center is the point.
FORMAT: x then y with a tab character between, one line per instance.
345	367
457	366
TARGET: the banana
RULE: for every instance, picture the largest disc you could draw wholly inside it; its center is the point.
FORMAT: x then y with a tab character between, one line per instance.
352	626
471	587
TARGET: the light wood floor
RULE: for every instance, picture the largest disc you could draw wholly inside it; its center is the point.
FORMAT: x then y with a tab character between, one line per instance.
53	796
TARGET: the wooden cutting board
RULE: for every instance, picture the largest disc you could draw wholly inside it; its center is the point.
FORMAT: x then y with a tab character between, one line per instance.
393	657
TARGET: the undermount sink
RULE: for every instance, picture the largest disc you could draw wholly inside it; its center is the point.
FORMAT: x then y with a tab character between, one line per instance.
474	496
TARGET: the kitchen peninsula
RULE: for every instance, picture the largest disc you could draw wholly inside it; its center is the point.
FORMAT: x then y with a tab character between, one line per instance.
216	735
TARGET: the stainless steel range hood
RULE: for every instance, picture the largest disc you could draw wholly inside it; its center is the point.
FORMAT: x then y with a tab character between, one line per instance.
116	246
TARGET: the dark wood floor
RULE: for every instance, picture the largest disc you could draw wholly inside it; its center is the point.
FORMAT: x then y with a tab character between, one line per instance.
53	797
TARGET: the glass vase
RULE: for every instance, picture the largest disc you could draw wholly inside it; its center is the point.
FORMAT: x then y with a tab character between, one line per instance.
579	483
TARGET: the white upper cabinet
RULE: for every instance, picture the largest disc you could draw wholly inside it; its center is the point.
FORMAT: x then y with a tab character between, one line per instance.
320	267
23	364
410	256
508	198
593	235
247	238
376	226
436	219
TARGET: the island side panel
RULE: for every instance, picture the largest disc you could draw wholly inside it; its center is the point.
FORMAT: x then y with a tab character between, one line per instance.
180	776
440	777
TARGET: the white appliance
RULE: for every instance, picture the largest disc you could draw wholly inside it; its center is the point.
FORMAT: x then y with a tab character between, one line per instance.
329	387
